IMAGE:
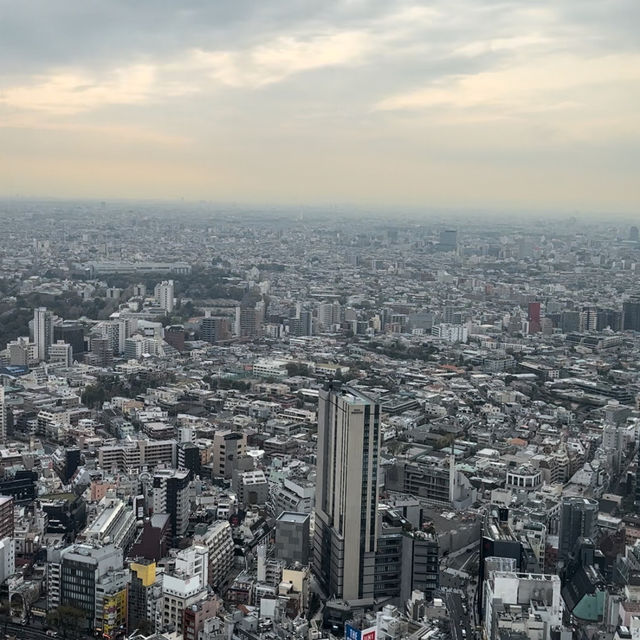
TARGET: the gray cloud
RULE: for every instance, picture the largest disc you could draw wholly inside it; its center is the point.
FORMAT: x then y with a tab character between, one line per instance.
311	88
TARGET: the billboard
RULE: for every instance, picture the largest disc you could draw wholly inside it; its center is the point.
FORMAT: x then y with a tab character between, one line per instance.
351	633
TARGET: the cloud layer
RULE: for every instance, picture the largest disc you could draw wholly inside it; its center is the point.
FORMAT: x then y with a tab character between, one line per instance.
451	103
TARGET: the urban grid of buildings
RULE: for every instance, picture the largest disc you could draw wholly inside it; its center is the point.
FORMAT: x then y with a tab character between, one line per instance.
229	426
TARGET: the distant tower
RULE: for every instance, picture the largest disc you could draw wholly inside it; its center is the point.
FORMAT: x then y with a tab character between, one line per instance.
3	416
631	314
164	295
634	234
535	325
42	331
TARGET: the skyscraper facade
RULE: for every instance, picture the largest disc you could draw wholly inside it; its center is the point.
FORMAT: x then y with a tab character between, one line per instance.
535	324
171	496
578	518
346	523
215	329
164	295
42	331
3	416
631	314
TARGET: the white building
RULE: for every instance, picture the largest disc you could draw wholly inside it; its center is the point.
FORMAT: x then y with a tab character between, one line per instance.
270	368
194	561
539	594
218	540
61	352
7	558
178	593
115	523
450	332
163	294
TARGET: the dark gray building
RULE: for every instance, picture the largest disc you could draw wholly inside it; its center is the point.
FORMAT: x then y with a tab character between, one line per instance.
631	314
578	518
292	537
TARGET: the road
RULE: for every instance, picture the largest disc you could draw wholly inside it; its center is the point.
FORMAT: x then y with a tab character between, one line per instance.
25	631
460	623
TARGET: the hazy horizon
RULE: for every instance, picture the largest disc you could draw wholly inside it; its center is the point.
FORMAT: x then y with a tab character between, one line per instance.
454	106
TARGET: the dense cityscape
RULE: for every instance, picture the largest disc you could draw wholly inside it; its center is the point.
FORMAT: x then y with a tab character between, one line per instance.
223	424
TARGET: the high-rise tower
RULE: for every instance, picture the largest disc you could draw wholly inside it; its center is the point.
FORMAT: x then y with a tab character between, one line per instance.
42	331
3	416
346	528
578	517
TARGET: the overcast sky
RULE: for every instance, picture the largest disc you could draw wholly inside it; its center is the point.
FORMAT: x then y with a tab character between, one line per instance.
452	103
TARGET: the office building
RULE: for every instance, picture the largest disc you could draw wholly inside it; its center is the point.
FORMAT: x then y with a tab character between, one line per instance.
248	321
61	352
171	496
406	560
578	519
42	331
115	522
22	352
301	324
111	602
631	314
81	576
217	538
215	329
69	462
193	561
174	335
329	315
179	591
346	522
292	537
164	295
531	603
3	416
21	485
292	494
101	352
142	583
116	332
70	333
535	322
189	457
450	332
7	558
228	446
136	454
7	524
499	542
198	615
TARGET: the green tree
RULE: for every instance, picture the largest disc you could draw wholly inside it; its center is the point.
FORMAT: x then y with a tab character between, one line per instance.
68	621
5	615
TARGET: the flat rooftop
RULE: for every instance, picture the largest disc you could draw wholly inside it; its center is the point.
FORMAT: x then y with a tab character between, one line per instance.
293	516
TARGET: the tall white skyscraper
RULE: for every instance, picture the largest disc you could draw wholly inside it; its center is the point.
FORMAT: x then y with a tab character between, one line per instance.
346	522
163	293
42	331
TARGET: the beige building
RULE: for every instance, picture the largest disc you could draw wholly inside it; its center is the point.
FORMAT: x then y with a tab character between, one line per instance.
228	446
346	523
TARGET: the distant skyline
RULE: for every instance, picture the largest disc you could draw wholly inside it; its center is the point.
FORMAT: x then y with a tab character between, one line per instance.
462	104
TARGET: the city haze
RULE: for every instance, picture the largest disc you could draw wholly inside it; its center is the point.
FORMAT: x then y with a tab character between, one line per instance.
451	104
